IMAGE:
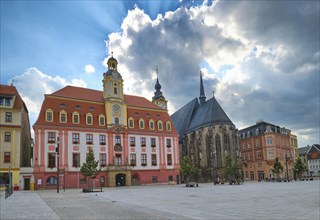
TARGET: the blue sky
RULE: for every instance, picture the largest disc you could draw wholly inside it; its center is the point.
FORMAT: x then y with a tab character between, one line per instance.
259	66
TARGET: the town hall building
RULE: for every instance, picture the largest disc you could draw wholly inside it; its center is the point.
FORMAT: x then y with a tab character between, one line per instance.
133	138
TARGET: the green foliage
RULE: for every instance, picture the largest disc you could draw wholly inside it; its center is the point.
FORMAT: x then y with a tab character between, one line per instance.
277	167
187	168
231	168
299	167
90	167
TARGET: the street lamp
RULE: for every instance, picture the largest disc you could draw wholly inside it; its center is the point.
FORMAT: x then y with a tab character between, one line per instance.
287	168
57	151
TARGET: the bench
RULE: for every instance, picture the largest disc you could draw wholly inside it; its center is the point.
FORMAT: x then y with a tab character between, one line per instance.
94	189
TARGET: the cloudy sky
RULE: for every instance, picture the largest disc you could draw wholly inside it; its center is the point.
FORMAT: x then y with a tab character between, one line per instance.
260	58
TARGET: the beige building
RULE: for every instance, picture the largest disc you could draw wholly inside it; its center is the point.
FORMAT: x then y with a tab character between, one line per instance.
294	146
260	145
15	138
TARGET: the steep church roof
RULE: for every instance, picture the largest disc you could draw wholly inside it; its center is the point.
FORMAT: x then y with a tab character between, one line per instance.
199	113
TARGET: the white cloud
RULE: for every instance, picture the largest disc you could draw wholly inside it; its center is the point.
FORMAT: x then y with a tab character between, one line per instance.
89	69
254	65
33	84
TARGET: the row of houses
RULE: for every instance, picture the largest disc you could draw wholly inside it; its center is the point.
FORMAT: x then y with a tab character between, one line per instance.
134	139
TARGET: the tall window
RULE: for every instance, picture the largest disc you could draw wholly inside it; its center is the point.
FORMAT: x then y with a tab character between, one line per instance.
76	160
51	160
144	159
102	139
8	116
103	159
49	116
8	101
153	142
169	159
115	89
75	118
154	159
151	125
118	159
52	180
168	142
143	141
133	159
160	127
89	119
269	140
51	137
131	125
63	117
141	123
168	126
75	138
118	140
7	136
259	155
101	120
218	150
257	143
132	141
116	120
89	138
7	156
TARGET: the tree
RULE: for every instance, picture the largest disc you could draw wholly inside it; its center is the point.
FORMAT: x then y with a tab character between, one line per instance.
231	169
187	169
299	167
89	169
277	167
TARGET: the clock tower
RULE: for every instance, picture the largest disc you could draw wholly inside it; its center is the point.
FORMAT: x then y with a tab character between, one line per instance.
116	108
158	98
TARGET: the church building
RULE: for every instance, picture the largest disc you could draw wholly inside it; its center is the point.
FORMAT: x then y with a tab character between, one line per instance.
206	135
133	139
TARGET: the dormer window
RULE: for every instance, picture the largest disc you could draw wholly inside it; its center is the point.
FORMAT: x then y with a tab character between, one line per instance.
160	125
151	125
101	120
131	123
49	115
75	118
168	126
89	119
63	117
141	123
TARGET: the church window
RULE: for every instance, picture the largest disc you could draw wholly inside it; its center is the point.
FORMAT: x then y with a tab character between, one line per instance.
226	142
218	151
141	123
49	115
168	126
75	118
63	117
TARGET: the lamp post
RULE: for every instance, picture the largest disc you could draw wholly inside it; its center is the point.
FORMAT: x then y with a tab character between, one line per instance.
57	151
287	168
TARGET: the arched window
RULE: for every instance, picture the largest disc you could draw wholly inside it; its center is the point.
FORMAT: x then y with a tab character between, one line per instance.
141	123
226	141
151	124
101	120
49	115
63	116
75	118
160	125
218	151
52	180
168	125
89	119
131	122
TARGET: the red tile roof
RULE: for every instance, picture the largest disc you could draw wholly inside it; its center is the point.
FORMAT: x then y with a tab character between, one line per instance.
69	97
11	91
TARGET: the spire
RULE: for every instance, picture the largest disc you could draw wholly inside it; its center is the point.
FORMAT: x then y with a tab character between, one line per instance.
202	97
157	86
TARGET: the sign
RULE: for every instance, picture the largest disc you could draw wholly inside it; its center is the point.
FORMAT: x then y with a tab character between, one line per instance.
39	181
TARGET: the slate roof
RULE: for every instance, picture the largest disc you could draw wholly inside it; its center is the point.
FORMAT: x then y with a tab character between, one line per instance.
303	150
193	116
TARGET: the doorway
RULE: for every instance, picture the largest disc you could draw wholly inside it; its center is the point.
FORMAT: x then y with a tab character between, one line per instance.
26	183
120	179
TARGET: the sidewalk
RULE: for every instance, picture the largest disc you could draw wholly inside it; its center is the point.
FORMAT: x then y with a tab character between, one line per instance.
25	205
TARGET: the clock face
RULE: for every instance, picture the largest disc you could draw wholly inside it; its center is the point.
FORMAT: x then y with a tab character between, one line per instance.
116	109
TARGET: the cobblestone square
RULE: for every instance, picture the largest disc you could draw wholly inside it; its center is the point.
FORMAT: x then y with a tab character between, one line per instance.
252	200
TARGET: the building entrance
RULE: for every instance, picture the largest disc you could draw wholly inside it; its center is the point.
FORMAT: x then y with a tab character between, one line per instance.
26	183
120	179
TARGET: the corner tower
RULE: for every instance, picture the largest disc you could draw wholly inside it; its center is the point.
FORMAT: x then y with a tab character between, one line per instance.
158	98
116	109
